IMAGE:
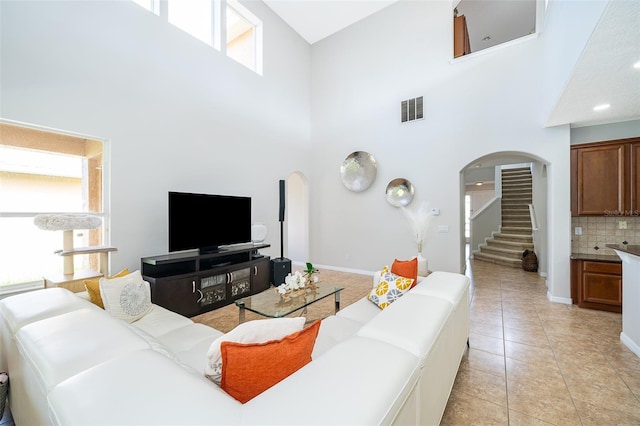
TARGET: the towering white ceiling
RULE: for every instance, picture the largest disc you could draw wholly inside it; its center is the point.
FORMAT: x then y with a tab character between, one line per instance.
604	73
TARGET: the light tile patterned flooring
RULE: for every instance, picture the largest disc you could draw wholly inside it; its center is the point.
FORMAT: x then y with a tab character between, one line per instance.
532	361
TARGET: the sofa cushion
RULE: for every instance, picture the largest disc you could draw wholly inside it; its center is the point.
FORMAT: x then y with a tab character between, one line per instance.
333	329
127	298
93	287
361	311
184	338
64	345
161	321
141	388
412	323
356	382
23	309
389	289
251	368
257	331
445	285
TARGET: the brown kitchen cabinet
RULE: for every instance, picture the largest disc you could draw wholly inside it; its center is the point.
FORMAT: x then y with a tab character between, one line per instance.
597	284
604	178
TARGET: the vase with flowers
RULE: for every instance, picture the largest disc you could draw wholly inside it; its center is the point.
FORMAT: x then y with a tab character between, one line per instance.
419	219
298	283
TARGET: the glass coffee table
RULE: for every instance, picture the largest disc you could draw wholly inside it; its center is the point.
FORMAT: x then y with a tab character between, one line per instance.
269	304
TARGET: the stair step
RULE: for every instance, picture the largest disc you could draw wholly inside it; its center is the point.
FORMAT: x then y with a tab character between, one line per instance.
519	200
513	245
499	260
516	170
511	191
515	209
517	224
516	230
513	237
517	182
517	178
501	251
514	216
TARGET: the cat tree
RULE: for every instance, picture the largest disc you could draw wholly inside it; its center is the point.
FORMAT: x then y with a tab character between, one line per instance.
67	223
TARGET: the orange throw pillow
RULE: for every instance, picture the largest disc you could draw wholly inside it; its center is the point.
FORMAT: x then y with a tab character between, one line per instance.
251	368
407	269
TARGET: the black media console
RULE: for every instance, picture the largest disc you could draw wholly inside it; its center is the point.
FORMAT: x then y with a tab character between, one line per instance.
190	283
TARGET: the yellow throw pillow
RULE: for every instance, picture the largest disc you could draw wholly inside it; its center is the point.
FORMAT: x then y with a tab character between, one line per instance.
390	288
93	287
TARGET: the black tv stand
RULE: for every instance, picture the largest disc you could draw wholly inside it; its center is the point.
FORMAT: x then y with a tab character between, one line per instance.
191	283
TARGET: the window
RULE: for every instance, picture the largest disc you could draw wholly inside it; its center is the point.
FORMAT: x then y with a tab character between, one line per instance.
203	19
194	17
150	5
244	36
45	172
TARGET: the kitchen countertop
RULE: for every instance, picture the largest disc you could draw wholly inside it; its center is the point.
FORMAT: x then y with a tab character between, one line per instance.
627	248
597	257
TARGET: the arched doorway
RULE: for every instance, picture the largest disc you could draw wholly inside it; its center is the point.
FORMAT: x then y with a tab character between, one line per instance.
486	171
298	218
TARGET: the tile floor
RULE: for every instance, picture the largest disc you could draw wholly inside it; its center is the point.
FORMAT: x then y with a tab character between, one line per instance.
532	361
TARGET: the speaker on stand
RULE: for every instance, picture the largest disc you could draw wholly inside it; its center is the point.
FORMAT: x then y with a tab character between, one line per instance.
281	266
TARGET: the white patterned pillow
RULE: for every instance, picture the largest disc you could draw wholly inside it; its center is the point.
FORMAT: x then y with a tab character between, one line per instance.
389	289
127	298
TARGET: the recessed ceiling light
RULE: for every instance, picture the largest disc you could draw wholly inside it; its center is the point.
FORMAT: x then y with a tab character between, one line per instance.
601	107
478	183
487	38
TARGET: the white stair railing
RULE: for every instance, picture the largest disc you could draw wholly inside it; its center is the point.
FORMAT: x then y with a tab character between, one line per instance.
532	215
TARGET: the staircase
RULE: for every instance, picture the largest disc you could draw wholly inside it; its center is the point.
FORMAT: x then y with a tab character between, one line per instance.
505	247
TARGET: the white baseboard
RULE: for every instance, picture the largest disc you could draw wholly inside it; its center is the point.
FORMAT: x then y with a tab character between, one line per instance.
563	300
630	343
336	268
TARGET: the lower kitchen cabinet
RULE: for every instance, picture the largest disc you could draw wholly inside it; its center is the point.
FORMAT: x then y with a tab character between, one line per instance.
597	284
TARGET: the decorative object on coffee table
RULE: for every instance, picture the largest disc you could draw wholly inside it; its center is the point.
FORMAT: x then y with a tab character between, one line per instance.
296	284
358	171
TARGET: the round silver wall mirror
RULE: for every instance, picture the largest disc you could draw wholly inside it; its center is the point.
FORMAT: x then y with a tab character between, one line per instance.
399	192
358	171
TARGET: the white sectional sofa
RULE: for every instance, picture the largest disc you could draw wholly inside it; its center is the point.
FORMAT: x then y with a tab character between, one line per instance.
71	363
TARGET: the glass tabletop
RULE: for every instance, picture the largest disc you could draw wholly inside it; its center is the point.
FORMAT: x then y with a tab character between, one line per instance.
270	304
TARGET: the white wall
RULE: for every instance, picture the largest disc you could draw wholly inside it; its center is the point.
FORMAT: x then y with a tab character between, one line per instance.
474	106
177	113
181	117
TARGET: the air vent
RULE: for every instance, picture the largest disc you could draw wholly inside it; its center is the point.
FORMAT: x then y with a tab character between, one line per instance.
411	109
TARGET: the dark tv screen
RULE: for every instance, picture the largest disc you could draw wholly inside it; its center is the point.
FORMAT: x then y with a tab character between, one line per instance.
206	222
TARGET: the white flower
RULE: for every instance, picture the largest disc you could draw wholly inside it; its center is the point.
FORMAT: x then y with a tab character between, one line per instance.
315	278
293	281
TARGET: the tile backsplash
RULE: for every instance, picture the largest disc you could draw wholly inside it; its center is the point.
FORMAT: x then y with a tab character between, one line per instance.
599	231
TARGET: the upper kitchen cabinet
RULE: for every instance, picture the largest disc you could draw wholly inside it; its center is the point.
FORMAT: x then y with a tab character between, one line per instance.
604	178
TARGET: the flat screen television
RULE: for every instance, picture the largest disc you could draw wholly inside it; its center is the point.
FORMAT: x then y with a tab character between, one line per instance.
207	222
